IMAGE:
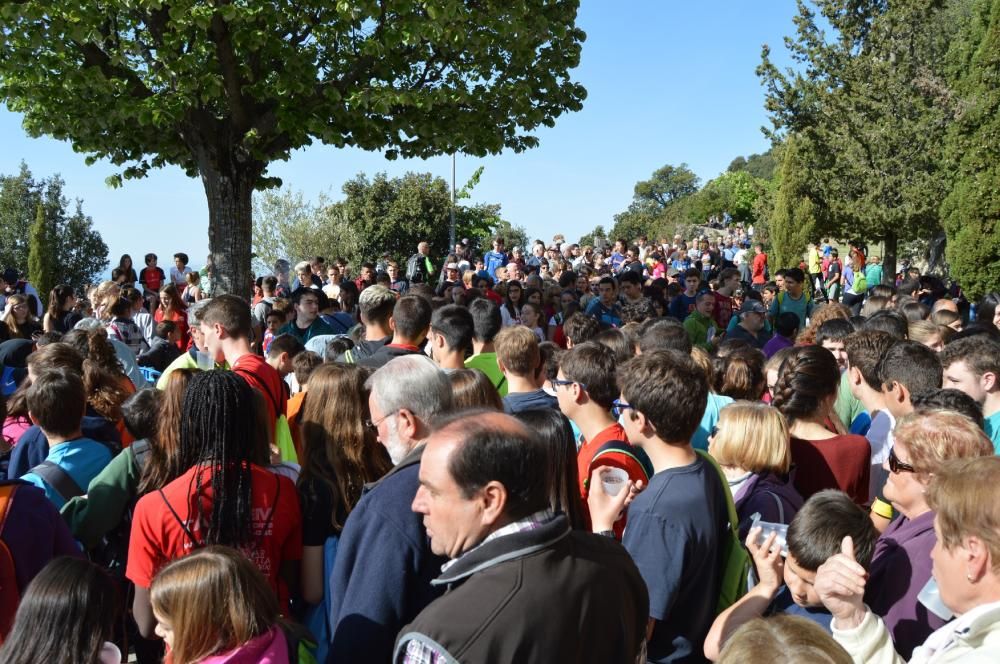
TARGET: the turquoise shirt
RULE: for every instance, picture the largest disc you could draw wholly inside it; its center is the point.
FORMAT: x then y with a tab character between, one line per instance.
82	459
992	427
716	402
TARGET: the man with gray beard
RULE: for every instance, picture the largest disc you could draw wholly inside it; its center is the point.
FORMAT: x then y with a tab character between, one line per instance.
382	576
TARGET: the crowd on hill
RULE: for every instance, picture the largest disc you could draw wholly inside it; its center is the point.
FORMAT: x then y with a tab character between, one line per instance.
662	452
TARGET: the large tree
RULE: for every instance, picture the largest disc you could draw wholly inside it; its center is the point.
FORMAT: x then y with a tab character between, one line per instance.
869	100
222	89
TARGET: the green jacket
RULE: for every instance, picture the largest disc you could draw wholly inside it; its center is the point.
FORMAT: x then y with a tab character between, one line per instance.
109	495
698	327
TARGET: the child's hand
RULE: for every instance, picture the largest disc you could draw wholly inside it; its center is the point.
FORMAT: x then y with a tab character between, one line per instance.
767	559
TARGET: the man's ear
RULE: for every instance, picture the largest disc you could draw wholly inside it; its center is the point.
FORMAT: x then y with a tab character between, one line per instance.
31	416
493	498
854	376
990	381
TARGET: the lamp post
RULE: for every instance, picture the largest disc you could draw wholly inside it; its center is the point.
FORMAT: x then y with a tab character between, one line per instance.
451	234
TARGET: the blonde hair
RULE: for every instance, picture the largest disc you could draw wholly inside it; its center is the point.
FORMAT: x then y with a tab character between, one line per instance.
517	350
752	436
106	294
933	437
704	362
965	496
786	640
922	331
215	600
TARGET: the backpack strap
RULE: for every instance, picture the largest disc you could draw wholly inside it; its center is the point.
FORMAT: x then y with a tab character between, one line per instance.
780	506
621	447
734	521
187	531
141	451
6	498
57	477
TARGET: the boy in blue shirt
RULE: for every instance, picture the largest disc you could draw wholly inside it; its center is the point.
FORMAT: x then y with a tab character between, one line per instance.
56	403
787	577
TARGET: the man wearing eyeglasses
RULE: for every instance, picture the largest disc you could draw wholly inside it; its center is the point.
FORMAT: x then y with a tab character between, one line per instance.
382	576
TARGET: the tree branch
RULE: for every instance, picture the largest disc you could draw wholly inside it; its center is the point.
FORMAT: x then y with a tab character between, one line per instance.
219	32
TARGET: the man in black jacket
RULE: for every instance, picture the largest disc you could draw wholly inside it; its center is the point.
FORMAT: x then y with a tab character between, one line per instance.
522	586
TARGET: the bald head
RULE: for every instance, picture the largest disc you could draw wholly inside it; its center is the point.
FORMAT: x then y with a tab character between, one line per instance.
945	304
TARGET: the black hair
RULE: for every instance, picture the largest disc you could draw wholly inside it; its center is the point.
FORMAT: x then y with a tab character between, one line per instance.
593	365
56	400
986	310
669	389
183	257
835	329
217	428
455	324
285	343
149	257
889	321
411	317
338	346
141	413
949	399
486	321
67	613
515	457
581	328
816	532
913	365
555	431
914	311
664	334
786	324
630	276
618	341
795	274
164	329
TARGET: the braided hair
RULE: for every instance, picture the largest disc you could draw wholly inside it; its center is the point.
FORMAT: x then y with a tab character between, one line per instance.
808	377
218	424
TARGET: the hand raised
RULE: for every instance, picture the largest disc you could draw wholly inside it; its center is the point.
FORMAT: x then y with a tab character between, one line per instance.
767	558
840	584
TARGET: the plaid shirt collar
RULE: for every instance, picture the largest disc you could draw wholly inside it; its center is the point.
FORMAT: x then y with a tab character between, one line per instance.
530	522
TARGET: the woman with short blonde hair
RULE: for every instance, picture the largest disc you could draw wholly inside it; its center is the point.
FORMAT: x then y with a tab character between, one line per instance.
785	640
751	444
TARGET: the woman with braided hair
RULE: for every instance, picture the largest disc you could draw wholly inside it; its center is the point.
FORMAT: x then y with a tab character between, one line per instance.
227	496
824	457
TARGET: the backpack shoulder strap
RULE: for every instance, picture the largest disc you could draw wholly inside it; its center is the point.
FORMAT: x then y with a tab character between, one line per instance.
180	522
141	451
6	498
779	505
621	447
734	521
57	477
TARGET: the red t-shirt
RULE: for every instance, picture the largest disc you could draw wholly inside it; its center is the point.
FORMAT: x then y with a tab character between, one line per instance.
758	266
157	536
616	459
152	278
180	320
723	310
841	462
265	379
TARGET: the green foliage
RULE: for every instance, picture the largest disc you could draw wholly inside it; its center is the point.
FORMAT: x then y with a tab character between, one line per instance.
597	233
971	212
41	255
80	252
735	193
223	89
760	166
668	184
656	203
795	216
377	215
871	100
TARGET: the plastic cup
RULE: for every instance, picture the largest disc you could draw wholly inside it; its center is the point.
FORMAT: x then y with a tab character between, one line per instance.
613	480
205	362
767	528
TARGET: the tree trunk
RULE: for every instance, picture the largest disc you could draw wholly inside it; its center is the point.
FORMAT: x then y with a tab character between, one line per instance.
230	227
889	260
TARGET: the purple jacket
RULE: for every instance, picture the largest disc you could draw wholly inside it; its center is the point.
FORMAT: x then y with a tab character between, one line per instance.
758	495
900	568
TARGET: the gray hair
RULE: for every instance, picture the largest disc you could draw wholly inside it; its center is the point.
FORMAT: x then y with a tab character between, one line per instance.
88	324
413	382
195	310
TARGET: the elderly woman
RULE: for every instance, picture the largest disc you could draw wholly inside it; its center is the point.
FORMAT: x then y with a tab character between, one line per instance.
750	443
944	477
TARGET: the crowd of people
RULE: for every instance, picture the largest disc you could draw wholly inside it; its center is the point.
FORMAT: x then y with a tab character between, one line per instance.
661	452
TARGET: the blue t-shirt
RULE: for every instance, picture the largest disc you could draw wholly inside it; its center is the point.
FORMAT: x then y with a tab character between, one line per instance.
82	459
784	604
682	306
517	402
675	532
493	260
992	427
713	408
801	307
607	315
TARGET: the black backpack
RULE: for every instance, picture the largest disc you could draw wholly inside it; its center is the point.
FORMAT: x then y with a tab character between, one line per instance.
416	269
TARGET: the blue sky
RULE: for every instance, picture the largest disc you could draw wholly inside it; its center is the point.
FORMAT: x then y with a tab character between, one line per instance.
667	81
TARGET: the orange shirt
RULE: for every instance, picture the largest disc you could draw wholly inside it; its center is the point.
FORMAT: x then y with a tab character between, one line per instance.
292	409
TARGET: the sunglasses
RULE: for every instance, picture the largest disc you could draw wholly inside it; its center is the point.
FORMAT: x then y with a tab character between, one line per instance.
618	407
896	466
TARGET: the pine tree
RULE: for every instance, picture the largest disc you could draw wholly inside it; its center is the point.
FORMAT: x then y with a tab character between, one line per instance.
41	255
794	219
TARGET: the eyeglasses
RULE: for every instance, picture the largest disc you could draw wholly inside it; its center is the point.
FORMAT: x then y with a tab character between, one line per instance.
556	382
897	466
714	432
618	407
374	425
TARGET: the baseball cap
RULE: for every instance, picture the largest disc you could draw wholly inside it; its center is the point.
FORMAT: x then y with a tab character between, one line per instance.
451	266
753	306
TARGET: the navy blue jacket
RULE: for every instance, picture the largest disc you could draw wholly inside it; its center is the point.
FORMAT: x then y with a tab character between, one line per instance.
33	447
382	577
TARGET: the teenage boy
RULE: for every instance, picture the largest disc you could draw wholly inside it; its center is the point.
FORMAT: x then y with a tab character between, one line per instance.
865	350
282	352
486	325
180	270
164	349
605	307
495	258
307	323
972	365
375	306
521	363
450	336
630	283
225	325
832	335
786	584
56	403
410	322
678	525
722	312
682	305
700	325
586	387
793	298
